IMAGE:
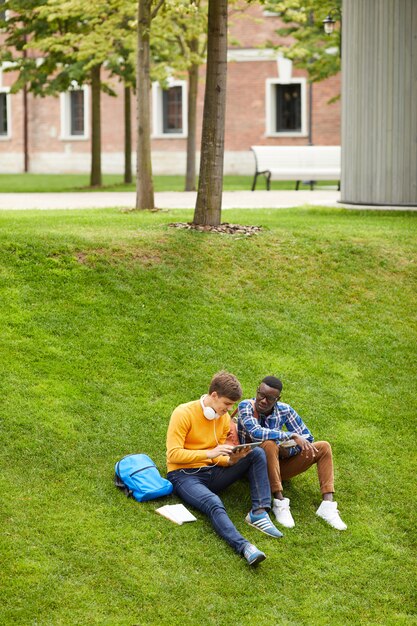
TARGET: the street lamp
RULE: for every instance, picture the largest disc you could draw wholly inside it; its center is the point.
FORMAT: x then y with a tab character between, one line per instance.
329	22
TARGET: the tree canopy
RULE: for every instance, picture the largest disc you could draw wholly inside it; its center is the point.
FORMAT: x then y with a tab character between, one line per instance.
314	51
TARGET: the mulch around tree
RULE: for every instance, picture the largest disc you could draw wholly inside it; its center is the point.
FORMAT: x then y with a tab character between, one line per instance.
223	229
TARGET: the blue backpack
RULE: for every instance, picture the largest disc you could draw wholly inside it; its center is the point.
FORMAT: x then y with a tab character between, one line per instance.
139	478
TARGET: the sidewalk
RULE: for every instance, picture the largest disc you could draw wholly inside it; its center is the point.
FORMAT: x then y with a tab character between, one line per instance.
178	200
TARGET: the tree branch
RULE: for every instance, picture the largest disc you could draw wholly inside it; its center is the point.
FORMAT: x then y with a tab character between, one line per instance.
156	9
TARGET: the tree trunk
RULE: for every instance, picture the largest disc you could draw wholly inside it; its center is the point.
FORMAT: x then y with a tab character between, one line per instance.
144	182
128	135
25	130
209	197
95	175
192	122
25	120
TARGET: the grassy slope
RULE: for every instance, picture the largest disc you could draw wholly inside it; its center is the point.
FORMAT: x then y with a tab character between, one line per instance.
30	183
110	319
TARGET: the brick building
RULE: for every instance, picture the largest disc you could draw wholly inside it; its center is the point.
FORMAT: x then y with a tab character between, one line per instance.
268	103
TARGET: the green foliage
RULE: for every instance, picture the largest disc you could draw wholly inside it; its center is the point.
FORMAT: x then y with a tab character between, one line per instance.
98	22
178	38
87	35
72	36
23	24
111	319
69	39
313	50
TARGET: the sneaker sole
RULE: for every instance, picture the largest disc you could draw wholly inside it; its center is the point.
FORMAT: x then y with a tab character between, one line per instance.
285	525
259	559
330	524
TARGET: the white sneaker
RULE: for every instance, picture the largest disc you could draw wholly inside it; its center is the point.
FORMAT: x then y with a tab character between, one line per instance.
281	509
328	511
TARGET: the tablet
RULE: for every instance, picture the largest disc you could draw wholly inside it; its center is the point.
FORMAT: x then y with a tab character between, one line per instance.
246	445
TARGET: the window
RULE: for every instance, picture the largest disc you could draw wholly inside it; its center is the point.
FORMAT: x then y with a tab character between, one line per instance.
172	110
4	115
74	114
286	108
77	112
169	109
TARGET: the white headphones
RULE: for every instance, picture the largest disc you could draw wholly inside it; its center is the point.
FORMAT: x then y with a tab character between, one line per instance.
209	413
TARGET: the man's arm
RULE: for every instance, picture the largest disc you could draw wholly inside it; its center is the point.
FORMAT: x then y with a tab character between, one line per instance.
295	425
248	424
298	431
178	454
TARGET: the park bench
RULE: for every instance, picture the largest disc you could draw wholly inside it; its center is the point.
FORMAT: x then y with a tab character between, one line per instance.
299	163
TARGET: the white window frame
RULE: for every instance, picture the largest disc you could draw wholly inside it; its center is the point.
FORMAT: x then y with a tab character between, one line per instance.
157	111
65	104
271	107
6	90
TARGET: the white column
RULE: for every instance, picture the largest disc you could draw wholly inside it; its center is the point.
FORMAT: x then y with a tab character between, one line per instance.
379	102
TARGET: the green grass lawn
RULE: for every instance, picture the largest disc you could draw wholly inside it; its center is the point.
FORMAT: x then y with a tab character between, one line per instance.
14	183
110	319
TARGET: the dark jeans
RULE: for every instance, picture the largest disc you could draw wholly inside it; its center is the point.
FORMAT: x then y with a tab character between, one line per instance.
200	489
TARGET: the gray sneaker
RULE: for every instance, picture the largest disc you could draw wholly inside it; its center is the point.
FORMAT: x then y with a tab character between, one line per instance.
253	555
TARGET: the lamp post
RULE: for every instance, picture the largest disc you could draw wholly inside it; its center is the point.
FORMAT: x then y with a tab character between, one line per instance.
329	24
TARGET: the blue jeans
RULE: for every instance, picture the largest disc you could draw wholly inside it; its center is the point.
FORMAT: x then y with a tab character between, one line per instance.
200	489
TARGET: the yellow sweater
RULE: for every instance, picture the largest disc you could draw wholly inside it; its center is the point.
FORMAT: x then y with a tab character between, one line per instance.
190	434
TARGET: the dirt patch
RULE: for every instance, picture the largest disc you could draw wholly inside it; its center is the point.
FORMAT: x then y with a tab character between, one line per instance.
143	257
222	229
81	258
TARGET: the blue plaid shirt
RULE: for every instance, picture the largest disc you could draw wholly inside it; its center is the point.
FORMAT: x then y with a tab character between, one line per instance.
270	426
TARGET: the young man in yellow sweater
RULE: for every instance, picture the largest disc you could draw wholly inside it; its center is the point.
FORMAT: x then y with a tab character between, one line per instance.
200	464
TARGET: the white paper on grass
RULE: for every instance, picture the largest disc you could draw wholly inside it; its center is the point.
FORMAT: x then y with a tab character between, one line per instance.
176	513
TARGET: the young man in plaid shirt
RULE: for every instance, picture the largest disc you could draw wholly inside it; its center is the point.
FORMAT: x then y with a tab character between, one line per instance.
263	419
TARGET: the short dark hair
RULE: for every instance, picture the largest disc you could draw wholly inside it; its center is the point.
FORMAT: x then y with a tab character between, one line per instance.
272	381
226	385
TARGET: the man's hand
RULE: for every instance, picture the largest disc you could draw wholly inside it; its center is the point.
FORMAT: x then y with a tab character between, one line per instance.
239	454
306	446
221	449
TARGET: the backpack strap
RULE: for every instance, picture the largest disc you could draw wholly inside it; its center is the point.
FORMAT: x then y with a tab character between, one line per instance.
120	484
